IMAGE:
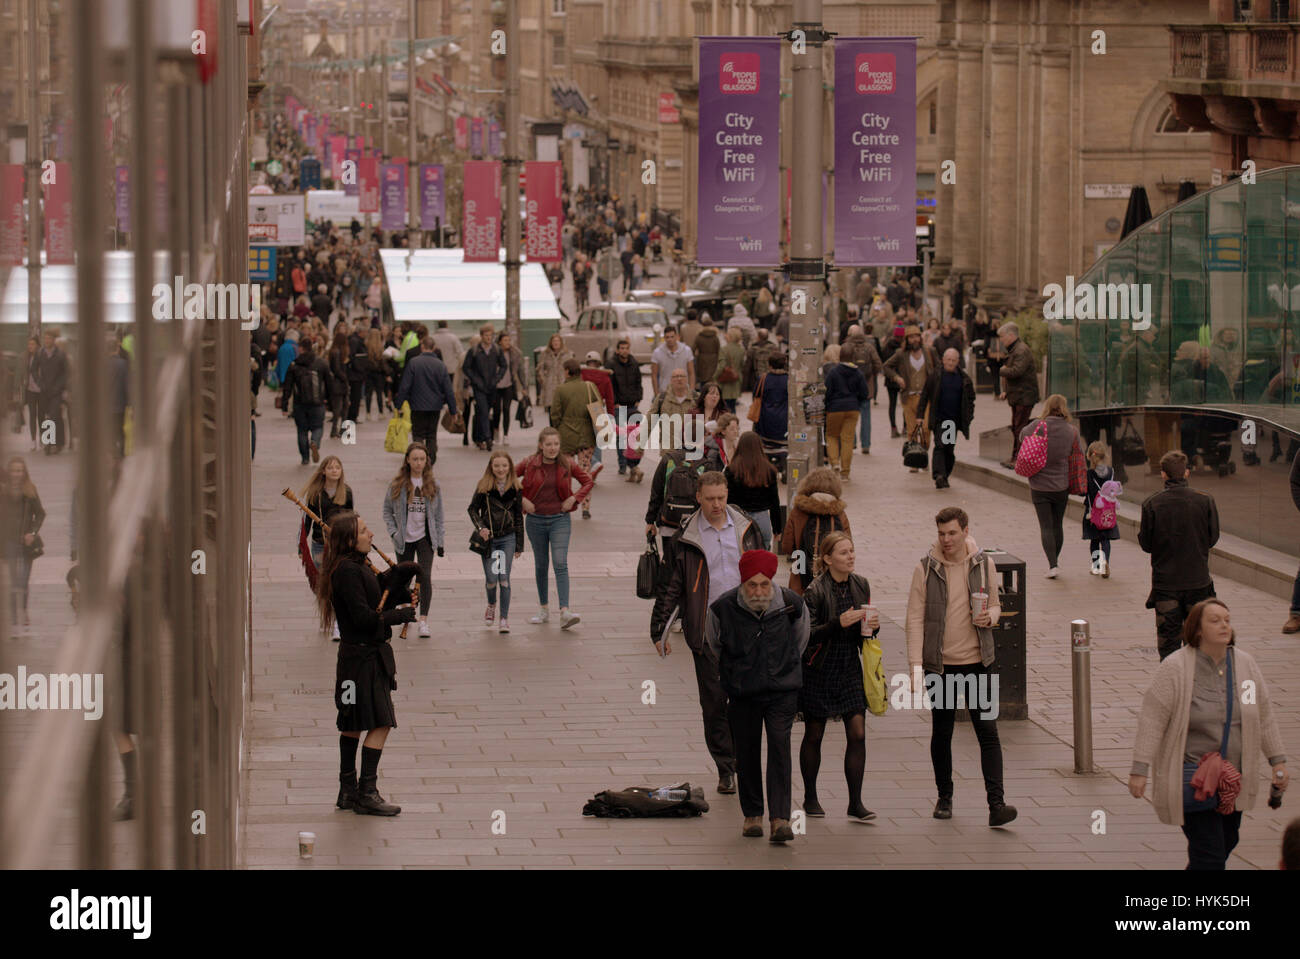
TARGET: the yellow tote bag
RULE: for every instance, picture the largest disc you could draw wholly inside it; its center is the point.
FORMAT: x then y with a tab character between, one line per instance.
873	677
398	437
128	432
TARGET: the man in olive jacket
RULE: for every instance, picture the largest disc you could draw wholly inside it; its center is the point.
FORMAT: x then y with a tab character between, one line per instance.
706	563
1020	370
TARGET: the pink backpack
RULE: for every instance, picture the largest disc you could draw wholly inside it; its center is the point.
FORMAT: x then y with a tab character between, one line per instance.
1104	512
1033	451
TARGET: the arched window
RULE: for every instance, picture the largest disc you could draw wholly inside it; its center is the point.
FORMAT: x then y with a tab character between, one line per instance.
1168	123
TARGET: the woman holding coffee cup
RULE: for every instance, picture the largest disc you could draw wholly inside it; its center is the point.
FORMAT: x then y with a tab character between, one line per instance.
842	617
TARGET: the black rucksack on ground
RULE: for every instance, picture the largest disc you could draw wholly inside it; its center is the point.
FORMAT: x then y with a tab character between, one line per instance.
638	803
312	390
681	481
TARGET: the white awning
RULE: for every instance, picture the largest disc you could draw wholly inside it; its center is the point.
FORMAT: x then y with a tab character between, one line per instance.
433	285
59	290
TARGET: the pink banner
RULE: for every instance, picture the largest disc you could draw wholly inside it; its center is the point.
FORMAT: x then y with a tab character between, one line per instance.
338	146
58	217
11	214
368	178
545	215
462	133
481	218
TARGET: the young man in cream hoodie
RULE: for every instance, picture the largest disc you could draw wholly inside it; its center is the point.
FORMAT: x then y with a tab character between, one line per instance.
950	648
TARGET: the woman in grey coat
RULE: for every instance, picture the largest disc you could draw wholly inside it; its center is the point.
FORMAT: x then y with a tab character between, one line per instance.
413	515
1050	486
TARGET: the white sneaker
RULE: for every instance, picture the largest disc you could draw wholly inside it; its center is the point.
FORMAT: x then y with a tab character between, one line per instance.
1052	573
335	633
677	626
504	627
424	629
1095	570
543	616
568	619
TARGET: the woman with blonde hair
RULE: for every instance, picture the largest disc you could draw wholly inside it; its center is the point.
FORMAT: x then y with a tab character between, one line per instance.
413	515
23	516
496	510
1049	488
731	364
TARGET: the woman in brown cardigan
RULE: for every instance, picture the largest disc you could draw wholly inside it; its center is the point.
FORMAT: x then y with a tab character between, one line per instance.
816	512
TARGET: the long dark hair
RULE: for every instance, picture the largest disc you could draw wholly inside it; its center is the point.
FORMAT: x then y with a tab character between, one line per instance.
749	464
428	487
339	542
704	395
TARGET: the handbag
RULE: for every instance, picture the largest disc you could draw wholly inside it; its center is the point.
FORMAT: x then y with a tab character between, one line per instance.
915	455
398	437
1129	446
524	412
647	570
1190	802
1078	474
595	408
1033	451
756	405
36	549
727	375
453	423
873	677
477	542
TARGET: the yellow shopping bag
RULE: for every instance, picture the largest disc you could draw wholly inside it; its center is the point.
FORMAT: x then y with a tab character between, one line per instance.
398	437
873	677
128	432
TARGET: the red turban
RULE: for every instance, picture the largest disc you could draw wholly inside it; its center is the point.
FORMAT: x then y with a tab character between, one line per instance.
757	561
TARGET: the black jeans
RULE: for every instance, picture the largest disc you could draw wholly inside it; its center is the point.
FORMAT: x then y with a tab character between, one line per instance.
1211	837
482	417
375	386
355	389
893	403
1019	420
945	458
713	704
501	399
424	429
422	552
1172	607
747	716
1050	508
986	731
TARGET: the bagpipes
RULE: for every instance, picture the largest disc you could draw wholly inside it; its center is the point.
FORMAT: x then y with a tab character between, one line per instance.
395	581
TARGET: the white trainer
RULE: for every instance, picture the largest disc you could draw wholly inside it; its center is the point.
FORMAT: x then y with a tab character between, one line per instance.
424	629
1052	573
568	619
543	616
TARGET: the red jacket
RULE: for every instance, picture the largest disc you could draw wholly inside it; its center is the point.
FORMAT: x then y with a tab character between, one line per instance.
531	471
603	383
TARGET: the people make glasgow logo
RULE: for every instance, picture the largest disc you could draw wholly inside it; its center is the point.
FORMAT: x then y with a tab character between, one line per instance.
874	73
738	73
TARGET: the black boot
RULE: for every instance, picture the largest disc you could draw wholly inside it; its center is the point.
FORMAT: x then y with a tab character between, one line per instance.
369	802
347	790
126	808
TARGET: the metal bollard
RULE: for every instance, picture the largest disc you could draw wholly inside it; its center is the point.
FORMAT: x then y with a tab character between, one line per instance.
1081	675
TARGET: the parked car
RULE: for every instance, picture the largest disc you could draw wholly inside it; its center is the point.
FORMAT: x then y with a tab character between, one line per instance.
600	328
718	289
670	301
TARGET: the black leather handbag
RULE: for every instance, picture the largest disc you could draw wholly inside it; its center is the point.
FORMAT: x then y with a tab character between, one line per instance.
647	569
915	455
479	543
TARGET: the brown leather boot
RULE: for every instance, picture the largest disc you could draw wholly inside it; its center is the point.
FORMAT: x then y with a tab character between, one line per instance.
781	831
753	827
1292	625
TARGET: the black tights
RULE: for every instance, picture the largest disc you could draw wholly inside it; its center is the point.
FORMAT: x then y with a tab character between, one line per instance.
855	757
1050	508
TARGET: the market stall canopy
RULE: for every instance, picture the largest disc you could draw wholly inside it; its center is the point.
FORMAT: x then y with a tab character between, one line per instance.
59	291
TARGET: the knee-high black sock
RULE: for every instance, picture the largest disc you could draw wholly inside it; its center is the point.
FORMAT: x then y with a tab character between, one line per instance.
370	762
348	754
128	770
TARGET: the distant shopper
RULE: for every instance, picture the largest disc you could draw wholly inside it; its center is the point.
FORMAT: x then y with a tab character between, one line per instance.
1179	527
752	484
847	394
949	398
1101	483
1019	370
1200	736
484	366
1050	486
427	385
816	512
414	517
496	510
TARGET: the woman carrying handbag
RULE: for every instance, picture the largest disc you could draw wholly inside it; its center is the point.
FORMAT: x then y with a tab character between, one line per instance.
497	513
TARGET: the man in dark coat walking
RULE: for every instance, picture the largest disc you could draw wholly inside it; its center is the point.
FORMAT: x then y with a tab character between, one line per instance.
484	367
949	397
52	378
427	384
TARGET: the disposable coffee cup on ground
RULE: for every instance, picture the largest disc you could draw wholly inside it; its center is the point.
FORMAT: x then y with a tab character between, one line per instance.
979	603
306	844
871	611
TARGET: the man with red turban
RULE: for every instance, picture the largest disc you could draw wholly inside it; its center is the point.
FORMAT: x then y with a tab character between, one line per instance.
758	632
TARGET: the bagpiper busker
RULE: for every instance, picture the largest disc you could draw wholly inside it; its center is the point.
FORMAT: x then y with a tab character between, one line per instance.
366	606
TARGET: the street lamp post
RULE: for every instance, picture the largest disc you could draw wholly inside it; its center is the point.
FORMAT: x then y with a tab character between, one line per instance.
511	170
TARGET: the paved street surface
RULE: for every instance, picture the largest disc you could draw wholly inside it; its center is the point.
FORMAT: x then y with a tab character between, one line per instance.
532	724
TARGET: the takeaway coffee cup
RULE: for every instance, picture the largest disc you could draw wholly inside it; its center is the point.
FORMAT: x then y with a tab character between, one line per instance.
306	844
871	612
979	603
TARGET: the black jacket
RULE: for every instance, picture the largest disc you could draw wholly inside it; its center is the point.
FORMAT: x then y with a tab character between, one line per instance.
501	514
626	377
359	365
427	384
324	507
930	401
1295	481
1179	526
484	368
52	373
294	380
758	654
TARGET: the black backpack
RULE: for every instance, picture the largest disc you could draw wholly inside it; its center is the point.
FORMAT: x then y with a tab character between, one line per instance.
638	802
681	481
311	389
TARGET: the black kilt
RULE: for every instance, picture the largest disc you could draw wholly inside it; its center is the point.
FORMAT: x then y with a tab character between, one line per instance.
373	705
365	654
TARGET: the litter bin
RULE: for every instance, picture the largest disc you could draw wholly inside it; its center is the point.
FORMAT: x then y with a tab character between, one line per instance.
1009	638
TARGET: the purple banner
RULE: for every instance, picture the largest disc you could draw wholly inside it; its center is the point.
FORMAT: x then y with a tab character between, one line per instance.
476	136
352	188
494	139
433	199
875	152
310	135
122	199
392	196
740	157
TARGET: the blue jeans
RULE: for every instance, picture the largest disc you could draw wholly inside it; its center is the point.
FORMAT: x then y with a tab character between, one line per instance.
763	520
317	551
311	424
619	440
864	424
500	546
550	533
